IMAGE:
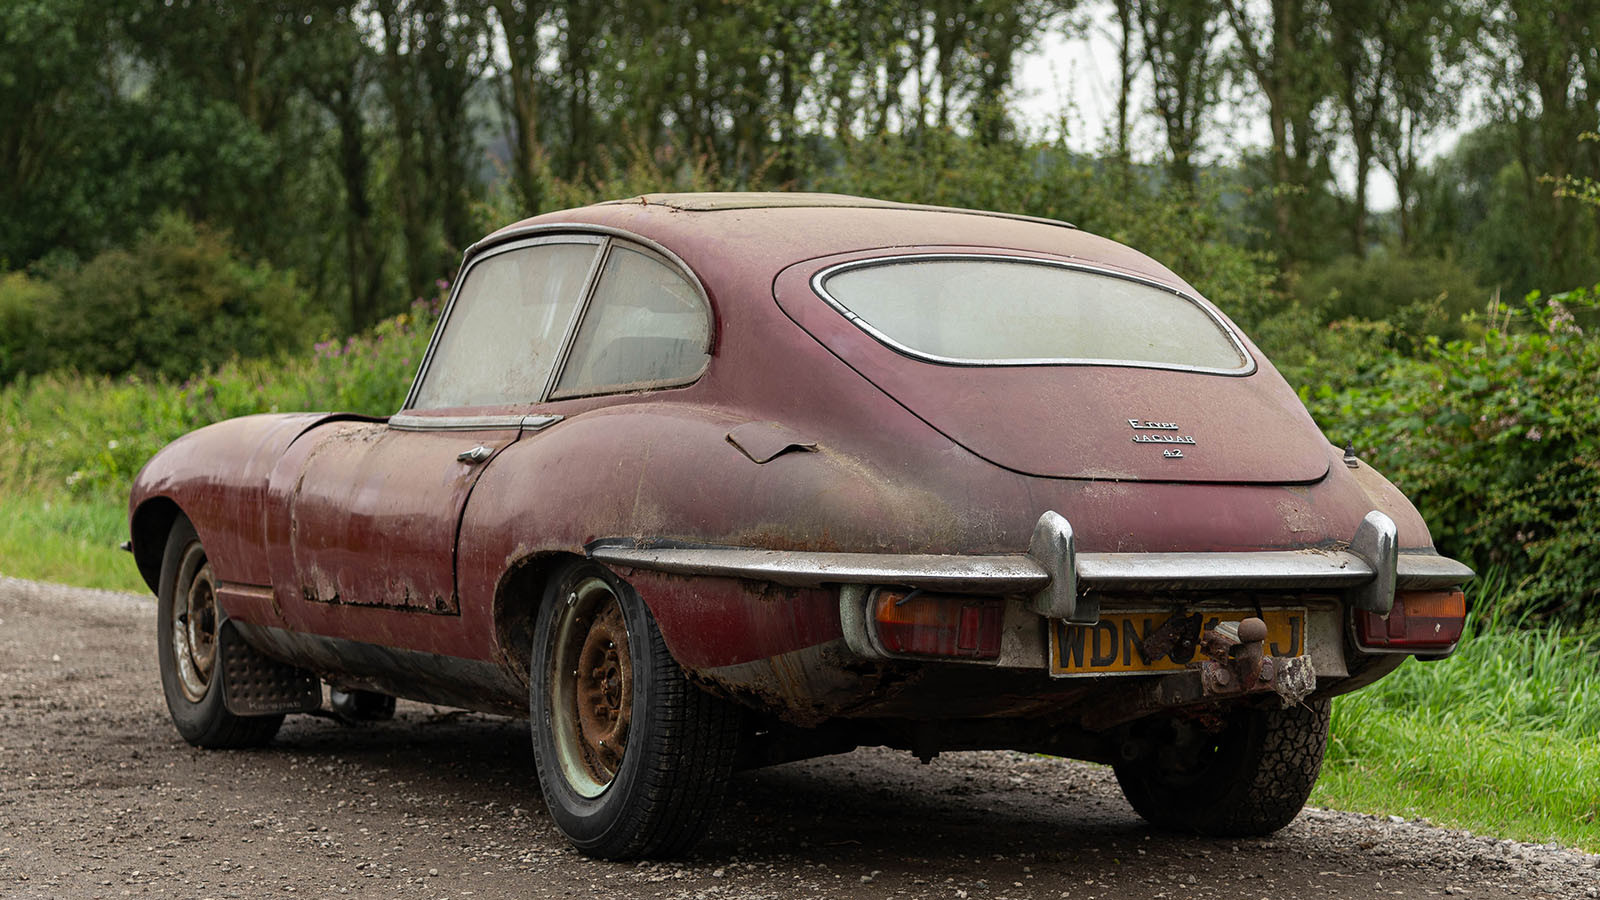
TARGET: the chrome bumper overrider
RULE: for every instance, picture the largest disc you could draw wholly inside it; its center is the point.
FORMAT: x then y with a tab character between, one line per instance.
1062	582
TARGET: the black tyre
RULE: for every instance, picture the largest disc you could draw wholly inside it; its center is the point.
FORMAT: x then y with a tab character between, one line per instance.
1250	779
632	758
189	650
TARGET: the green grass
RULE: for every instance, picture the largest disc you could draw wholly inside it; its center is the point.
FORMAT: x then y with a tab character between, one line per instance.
66	540
1502	738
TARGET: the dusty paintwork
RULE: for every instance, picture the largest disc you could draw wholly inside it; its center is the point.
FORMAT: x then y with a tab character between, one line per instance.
377	555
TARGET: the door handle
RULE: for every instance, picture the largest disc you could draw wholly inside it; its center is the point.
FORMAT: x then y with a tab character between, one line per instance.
476	455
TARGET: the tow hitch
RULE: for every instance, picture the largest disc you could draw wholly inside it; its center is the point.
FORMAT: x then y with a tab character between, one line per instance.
1234	664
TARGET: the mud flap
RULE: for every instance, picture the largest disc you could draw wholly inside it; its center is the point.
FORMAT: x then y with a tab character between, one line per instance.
254	684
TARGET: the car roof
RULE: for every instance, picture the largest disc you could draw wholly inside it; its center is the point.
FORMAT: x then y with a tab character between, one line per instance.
769	231
713	201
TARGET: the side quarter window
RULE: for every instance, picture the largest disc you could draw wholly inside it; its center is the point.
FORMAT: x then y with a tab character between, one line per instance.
646	327
503	333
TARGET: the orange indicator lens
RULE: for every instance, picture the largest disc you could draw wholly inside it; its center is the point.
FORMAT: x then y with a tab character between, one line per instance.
923	624
1420	620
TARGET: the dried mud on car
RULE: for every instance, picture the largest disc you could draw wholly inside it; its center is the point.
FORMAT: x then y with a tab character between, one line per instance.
100	797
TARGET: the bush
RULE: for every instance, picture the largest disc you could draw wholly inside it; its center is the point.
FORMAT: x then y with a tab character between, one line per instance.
1418	295
1497	441
22	299
176	302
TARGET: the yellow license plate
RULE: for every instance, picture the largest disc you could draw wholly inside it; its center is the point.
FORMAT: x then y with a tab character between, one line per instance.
1113	646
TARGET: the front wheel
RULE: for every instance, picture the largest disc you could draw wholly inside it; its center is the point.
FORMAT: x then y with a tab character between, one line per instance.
189	650
1251	778
632	758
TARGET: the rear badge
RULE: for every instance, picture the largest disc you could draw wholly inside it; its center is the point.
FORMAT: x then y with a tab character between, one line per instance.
1151	433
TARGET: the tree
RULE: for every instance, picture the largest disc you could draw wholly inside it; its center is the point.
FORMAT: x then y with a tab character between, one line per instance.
1427	83
337	69
61	109
1283	53
522	25
1543	62
433	53
1179	39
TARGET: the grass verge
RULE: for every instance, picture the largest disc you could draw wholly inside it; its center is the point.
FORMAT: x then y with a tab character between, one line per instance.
71	541
1502	738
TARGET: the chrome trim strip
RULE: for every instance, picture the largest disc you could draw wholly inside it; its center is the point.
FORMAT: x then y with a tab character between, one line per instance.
1249	367
1009	574
540	423
591	283
978	574
1263	569
1421	571
469	423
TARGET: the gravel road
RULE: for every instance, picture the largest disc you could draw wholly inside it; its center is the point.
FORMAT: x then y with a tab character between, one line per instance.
99	797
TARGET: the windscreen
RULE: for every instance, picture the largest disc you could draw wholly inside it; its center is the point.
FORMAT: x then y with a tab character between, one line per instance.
995	311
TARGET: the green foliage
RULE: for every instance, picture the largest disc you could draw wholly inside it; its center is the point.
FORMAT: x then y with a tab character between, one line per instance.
1496	439
1500	737
1482	203
22	299
86	436
179	300
71	541
1419	296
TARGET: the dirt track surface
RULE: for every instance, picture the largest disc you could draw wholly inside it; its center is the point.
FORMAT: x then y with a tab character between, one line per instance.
99	797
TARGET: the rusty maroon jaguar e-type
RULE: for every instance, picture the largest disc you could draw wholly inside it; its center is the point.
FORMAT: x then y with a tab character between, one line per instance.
708	481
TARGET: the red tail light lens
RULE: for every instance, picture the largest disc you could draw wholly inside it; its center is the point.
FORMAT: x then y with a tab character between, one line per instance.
1420	620
923	624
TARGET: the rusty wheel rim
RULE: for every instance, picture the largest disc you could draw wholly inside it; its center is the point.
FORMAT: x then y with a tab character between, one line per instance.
592	688
193	628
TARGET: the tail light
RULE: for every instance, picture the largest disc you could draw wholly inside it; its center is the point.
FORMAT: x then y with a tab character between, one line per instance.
917	623
1420	621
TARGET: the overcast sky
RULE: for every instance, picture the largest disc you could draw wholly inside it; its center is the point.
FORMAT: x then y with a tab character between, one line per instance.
1076	78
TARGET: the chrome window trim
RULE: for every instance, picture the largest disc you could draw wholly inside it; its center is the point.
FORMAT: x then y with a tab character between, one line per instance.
590	285
564	232
473	259
493	242
582	314
819	280
519	422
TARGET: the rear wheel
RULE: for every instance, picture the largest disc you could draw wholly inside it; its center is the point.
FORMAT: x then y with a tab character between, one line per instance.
1250	778
189	649
632	758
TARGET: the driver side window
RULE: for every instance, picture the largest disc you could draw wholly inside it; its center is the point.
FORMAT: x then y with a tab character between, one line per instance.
503	333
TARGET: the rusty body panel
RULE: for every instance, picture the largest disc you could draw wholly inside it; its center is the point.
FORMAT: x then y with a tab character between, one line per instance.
218	476
371	553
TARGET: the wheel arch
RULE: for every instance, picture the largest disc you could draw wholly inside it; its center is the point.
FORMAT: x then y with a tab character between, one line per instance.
149	527
517	597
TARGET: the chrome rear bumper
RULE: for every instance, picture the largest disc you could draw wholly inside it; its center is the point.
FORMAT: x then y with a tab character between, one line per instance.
1063	582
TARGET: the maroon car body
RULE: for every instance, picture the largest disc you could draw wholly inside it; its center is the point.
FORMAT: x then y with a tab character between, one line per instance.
777	482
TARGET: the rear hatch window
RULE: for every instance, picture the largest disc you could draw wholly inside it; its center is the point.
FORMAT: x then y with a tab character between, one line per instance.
997	311
1052	368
